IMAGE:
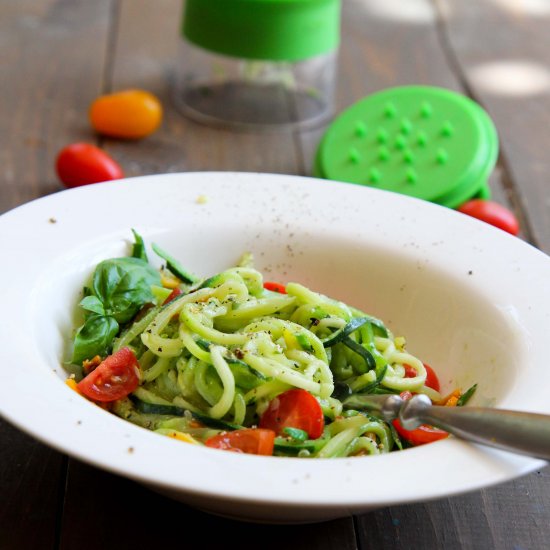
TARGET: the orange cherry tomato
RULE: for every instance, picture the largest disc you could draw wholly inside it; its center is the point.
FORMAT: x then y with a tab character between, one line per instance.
130	114
82	164
253	441
492	213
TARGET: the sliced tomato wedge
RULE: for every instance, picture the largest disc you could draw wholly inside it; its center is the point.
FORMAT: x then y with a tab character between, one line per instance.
431	378
254	441
294	409
275	287
114	378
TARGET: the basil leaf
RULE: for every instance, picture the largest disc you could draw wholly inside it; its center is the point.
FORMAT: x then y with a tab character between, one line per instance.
123	285
94	338
93	304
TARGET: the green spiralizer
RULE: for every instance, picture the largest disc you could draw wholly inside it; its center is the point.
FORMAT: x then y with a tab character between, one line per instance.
426	142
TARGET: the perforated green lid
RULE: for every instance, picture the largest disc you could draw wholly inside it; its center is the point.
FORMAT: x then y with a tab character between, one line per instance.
281	30
426	142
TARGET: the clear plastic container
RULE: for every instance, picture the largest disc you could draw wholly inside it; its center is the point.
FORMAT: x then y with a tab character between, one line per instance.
264	64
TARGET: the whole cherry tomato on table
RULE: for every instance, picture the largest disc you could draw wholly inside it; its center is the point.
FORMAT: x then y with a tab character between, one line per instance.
82	164
130	114
294	409
492	213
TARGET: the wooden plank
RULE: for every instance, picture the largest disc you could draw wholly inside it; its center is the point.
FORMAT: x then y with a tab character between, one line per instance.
481	34
511	516
125	514
31	478
45	84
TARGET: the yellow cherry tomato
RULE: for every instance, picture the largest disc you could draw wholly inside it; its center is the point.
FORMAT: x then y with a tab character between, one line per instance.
129	114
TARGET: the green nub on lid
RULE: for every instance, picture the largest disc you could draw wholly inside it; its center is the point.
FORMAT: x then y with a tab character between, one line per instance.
426	142
274	30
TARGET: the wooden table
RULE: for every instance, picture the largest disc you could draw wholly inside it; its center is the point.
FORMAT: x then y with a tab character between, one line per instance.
57	56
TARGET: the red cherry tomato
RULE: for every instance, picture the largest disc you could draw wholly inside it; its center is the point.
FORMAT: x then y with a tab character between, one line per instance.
129	114
82	164
115	377
275	287
492	213
252	441
431	378
294	409
421	435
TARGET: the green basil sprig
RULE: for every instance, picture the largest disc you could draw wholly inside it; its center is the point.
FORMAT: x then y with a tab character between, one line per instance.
120	287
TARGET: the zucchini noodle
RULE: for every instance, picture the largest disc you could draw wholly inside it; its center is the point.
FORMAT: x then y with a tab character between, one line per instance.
212	359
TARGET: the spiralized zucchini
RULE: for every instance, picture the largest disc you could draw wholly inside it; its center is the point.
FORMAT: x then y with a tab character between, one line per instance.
214	357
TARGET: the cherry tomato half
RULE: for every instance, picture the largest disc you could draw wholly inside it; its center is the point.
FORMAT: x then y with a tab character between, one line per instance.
492	213
275	287
115	378
129	114
421	435
82	164
252	441
431	378
294	409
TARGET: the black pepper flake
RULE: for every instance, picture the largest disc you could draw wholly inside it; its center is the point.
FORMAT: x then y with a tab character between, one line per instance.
314	321
78	422
470	272
159	349
52	220
239	354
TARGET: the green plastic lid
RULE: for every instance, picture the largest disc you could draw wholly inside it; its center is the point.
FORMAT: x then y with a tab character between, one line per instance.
430	143
277	30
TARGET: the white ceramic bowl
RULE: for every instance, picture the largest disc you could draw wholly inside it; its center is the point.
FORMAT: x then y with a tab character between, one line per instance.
472	301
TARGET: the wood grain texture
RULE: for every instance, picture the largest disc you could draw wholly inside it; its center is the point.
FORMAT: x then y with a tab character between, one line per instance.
31	490
131	516
482	33
46	85
508	517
